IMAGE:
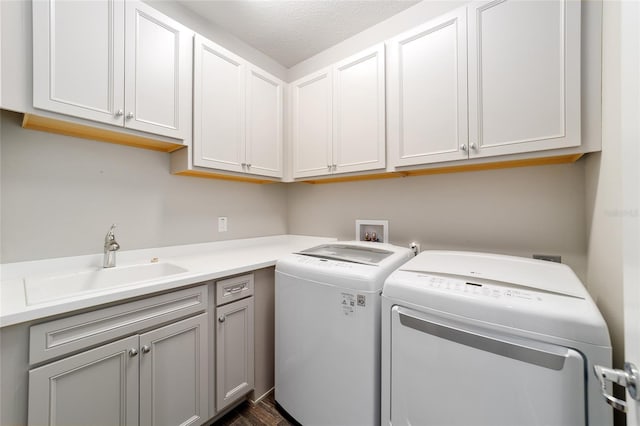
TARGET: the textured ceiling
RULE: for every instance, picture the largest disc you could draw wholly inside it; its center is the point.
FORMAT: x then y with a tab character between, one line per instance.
291	31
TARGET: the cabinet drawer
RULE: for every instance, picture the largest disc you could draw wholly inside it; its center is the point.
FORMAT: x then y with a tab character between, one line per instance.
233	289
60	337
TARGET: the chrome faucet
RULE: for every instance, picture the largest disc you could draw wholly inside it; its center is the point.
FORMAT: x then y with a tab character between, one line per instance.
110	248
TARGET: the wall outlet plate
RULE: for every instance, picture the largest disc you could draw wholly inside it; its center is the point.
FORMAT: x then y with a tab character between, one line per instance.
415	247
222	224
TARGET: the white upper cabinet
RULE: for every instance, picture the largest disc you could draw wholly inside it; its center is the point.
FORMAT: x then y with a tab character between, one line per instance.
115	62
312	123
338	117
237	113
521	59
428	92
524	76
219	107
158	58
78	58
359	112
264	147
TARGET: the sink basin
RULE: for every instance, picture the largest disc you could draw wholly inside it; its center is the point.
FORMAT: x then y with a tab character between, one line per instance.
48	288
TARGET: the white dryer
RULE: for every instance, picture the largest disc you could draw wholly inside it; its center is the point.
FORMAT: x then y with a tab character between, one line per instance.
327	345
482	339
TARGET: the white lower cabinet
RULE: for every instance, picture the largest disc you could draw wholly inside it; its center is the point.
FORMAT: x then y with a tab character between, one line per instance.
159	377
234	342
155	377
173	374
97	387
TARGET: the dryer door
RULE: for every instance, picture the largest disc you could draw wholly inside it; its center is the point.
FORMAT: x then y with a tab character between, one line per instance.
445	372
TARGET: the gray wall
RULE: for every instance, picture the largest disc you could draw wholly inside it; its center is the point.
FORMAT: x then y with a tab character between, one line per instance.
514	211
604	192
59	195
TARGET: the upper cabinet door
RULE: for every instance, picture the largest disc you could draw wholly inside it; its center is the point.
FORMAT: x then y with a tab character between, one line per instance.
219	107
312	124
264	148
359	112
524	76
78	58
428	92
158	59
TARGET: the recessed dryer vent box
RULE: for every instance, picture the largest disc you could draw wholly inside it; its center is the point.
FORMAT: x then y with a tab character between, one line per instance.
372	230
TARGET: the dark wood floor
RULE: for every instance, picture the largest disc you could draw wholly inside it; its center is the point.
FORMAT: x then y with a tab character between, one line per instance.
264	412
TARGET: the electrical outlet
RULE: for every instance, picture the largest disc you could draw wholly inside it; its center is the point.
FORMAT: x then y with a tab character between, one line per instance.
415	247
222	224
548	257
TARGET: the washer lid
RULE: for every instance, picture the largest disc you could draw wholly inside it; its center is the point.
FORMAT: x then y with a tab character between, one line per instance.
348	253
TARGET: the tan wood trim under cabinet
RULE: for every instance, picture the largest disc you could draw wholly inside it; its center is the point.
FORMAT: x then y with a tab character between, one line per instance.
388	175
562	159
200	174
51	125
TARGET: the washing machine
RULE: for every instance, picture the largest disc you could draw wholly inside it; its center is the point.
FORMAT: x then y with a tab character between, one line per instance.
327	331
484	339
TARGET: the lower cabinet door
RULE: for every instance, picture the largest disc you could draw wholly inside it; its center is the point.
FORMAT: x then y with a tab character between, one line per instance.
234	351
174	374
96	387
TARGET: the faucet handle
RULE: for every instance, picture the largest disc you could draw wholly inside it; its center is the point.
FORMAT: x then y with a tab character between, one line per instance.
110	235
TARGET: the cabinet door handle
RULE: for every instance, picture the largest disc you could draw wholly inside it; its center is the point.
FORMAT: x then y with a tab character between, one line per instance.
133	352
463	147
145	349
129	115
119	113
474	147
221	318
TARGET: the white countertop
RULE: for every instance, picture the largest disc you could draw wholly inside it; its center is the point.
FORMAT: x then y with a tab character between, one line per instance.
203	262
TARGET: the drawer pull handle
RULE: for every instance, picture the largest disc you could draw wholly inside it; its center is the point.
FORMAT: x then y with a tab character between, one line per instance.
236	289
133	352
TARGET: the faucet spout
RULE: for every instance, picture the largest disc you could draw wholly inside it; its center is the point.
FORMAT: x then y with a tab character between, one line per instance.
110	248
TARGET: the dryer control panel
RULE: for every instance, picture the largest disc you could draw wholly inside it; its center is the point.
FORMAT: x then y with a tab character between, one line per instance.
477	288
